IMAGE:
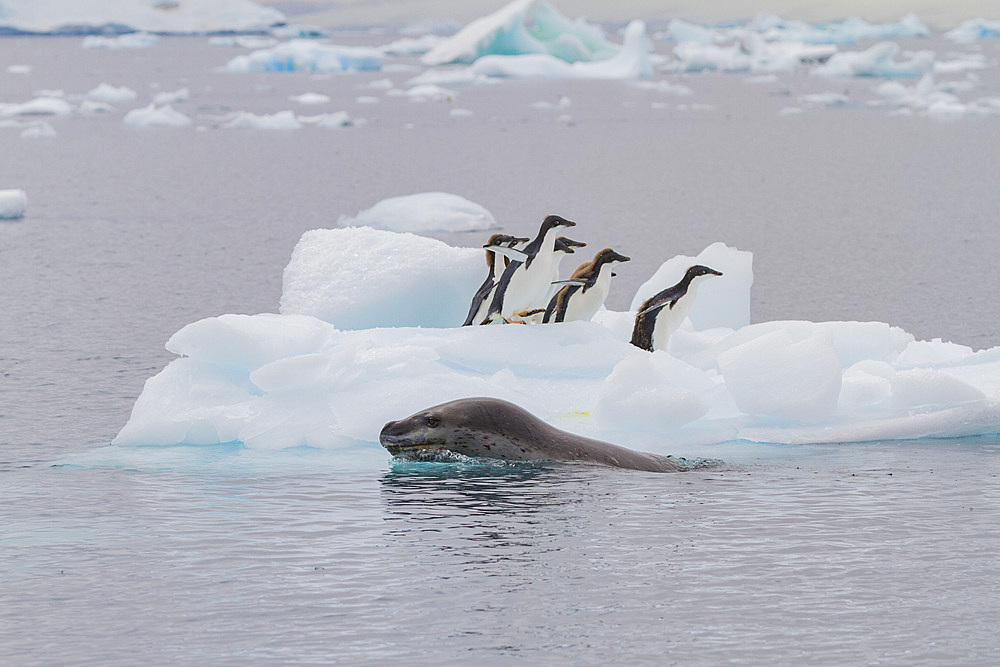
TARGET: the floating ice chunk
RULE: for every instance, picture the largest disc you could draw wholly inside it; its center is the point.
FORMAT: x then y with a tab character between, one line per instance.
334	119
523	27
450	76
723	301
631	62
456	113
748	53
153	116
13	204
135	40
39	106
679	30
411	46
298	31
791	111
430	93
19	69
849	31
172	97
361	277
960	63
163	16
663	86
88	107
877	61
244	120
421	213
308	56
777	376
830	99
946	110
111	94
38	130
973	29
563	103
310	98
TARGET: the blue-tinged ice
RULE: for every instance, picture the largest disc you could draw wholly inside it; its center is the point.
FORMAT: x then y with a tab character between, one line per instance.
368	332
523	27
973	29
101	17
308	56
878	61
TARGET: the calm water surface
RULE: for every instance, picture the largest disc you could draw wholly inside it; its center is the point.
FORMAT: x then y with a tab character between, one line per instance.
884	552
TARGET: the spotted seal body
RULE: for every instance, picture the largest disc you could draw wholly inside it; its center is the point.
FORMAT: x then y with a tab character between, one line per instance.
492	428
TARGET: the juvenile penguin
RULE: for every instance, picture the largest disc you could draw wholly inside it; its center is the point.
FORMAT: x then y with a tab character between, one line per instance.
498	244
661	314
585	291
524	284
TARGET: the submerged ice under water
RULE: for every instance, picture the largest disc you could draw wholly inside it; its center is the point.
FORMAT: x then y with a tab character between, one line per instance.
839	553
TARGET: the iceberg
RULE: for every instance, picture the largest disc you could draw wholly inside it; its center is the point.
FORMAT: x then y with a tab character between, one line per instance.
969	31
13	204
125	16
523	27
367	332
302	55
876	61
631	62
422	213
154	116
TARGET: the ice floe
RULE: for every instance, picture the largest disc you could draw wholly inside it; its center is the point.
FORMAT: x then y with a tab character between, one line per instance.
973	29
308	56
310	98
849	31
878	60
13	204
748	52
45	105
423	212
172	96
134	40
367	333
523	27
631	62
104	16
105	92
154	116
934	100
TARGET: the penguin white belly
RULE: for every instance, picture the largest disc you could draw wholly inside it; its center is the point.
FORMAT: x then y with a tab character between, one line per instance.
669	319
584	305
528	286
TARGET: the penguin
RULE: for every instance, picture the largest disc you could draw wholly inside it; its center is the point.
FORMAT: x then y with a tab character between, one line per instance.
584	293
524	283
660	315
564	246
498	244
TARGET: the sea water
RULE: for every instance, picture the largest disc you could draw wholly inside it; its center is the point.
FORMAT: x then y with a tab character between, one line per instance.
880	552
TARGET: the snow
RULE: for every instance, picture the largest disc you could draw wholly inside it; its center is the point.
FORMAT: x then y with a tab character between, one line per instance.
367	332
302	55
154	116
102	16
13	204
631	62
523	27
876	61
422	213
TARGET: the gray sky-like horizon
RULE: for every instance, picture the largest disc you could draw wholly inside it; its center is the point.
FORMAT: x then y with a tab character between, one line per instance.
938	14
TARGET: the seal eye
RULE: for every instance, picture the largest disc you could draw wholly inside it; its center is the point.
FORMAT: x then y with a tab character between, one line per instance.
433	421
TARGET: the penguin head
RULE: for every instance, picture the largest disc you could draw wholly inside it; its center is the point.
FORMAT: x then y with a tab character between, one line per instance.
608	255
553	221
701	270
504	240
566	245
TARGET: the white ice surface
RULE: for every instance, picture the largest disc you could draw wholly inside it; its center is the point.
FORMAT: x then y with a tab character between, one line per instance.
154	116
134	40
183	16
973	29
367	334
303	55
106	92
523	27
631	62
423	212
40	106
878	60
13	204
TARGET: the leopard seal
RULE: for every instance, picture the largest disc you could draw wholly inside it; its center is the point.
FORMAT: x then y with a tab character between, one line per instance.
493	428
